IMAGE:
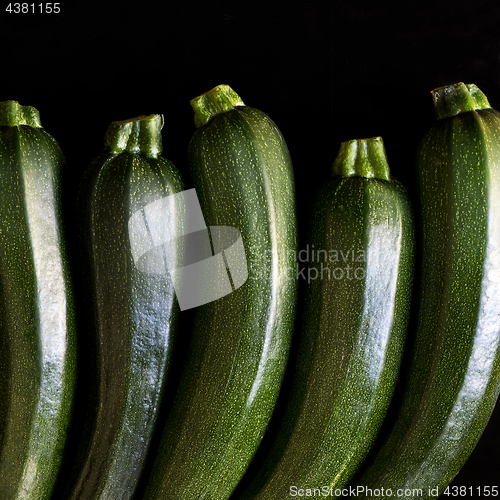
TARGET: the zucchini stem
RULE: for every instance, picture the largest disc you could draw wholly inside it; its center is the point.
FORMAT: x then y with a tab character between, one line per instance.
214	102
12	114
362	158
452	100
140	135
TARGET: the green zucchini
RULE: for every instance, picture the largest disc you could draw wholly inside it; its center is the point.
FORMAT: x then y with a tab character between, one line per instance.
37	315
357	302
453	377
239	347
129	311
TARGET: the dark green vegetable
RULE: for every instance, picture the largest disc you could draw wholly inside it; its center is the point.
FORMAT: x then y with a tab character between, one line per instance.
454	374
130	311
37	326
239	348
359	279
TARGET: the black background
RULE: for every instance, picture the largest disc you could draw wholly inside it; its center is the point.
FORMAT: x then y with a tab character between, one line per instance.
324	72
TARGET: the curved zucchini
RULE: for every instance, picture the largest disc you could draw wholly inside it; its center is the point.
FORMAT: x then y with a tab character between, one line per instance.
454	373
130	312
359	281
239	347
37	323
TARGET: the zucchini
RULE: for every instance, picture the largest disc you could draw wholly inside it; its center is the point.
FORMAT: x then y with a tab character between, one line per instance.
239	346
357	303
37	315
453	375
130	312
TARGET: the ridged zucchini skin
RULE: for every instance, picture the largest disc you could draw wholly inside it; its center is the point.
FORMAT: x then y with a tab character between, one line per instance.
357	302
37	315
243	176
130	314
453	376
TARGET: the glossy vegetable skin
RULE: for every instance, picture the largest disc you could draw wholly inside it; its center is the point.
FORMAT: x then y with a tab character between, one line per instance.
453	378
129	313
243	176
359	282
37	324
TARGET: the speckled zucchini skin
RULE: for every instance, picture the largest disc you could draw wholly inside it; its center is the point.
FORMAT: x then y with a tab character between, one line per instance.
357	304
130	314
243	177
453	376
37	326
